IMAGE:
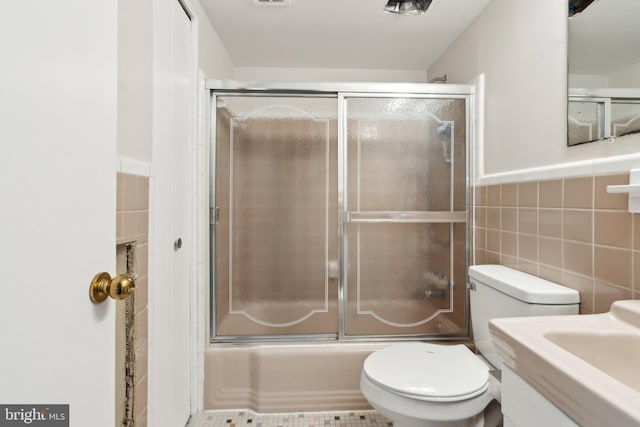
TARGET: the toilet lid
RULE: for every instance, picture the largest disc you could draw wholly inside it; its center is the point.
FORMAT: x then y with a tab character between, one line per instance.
428	371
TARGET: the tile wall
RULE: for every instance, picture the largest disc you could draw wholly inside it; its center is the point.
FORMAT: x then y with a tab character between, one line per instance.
132	226
570	231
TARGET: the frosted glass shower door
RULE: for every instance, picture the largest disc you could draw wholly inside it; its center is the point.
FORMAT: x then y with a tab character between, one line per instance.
406	212
275	236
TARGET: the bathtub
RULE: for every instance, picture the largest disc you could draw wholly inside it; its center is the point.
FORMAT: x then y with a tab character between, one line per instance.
292	377
286	377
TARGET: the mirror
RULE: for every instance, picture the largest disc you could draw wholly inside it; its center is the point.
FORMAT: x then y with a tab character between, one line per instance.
604	70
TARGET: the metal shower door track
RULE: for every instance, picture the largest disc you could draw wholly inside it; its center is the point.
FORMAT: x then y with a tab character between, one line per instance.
362	89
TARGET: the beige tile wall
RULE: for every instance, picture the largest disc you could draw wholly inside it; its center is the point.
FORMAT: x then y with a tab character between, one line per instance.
570	231
132	225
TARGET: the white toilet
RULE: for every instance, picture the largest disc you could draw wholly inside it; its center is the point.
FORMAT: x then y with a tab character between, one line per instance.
431	385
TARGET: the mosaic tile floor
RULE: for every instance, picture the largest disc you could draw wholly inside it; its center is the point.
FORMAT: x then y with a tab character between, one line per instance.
304	419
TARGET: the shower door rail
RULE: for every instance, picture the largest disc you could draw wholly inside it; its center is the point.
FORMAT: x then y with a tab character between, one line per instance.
399	232
405	217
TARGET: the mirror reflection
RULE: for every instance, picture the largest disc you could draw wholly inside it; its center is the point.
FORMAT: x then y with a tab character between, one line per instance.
604	70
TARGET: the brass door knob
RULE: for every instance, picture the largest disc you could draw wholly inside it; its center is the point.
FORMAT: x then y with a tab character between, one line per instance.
103	286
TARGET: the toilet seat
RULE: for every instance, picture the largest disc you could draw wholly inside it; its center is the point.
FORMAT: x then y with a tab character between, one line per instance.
429	372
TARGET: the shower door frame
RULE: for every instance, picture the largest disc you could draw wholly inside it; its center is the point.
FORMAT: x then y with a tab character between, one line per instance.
340	91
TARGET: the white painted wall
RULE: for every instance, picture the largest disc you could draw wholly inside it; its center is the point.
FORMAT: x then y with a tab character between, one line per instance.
328	75
213	58
588	81
629	77
521	47
135	85
135	72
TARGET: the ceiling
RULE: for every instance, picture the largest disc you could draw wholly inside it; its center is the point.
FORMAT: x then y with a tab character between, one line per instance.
338	33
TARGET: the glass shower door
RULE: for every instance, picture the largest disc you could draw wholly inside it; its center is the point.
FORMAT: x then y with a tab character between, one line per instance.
276	240
405	223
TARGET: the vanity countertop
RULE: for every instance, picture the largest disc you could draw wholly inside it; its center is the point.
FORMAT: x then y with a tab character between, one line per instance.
586	365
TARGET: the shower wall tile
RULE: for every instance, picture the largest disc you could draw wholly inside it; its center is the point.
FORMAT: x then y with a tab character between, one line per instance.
528	194
509	244
578	225
613	265
509	219
584	285
550	273
613	228
636	270
528	247
509	261
578	257
493	240
604	200
509	196
493	217
480	217
550	251
481	196
636	232
142	293
528	220
578	193
570	231
527	266
551	194
549	222
493	195
605	294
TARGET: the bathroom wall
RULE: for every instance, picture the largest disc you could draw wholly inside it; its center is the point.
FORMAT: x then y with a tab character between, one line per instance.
567	230
135	72
521	47
135	85
628	77
132	227
137	37
213	59
540	206
328	75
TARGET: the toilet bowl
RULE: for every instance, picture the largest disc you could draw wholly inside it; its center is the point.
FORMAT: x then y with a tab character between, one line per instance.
427	385
418	384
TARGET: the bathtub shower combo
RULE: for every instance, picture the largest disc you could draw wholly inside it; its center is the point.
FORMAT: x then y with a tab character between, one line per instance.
339	222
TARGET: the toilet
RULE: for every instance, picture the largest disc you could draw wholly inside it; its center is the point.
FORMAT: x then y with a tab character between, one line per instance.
417	384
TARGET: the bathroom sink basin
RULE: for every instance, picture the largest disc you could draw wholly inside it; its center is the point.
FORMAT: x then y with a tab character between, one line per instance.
586	365
615	354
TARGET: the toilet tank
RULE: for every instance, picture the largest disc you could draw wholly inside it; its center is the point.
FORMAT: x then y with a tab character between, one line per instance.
499	291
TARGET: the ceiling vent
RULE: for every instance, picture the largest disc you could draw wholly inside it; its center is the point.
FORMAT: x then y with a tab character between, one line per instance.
272	2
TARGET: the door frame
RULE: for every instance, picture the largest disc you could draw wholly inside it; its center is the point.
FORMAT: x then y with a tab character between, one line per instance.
155	258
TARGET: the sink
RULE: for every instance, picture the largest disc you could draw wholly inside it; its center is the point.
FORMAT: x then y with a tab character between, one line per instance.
586	365
614	354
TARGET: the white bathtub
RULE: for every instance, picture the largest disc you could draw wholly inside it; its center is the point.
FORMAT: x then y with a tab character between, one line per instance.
286	377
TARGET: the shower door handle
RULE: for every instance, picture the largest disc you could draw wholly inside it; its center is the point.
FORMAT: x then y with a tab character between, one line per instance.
332	269
214	215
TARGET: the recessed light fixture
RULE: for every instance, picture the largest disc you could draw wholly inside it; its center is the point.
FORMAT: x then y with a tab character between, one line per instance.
577	6
407	7
272	2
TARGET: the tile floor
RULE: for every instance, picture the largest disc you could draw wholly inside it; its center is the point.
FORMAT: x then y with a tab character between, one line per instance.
302	419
